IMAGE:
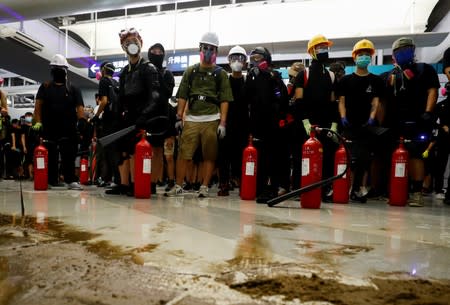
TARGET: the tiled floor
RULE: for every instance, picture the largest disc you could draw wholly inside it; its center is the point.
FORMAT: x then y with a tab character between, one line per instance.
352	239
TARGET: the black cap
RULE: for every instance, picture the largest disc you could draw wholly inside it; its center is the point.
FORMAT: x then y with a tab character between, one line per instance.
159	46
446	60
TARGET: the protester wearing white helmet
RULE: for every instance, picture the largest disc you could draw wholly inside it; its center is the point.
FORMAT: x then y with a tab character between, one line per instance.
232	145
58	107
205	90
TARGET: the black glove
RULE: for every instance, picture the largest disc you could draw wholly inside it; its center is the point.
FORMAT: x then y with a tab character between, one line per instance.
427	120
141	122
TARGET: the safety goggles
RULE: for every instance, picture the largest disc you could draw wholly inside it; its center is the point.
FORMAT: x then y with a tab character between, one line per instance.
125	32
207	48
256	57
237	57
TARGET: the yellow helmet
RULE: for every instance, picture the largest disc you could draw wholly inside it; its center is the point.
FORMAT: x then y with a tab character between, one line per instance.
363	44
316	40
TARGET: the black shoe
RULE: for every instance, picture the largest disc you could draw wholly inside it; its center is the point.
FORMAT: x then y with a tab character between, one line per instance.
170	185
265	196
223	190
118	190
447	200
57	184
153	188
187	186
356	198
196	186
130	191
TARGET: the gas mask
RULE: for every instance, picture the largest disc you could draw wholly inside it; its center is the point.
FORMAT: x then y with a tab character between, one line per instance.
236	66
362	61
132	49
261	65
58	74
156	59
404	56
208	54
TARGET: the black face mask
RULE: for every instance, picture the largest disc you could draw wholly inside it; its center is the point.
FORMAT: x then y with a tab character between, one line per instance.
322	57
59	75
157	60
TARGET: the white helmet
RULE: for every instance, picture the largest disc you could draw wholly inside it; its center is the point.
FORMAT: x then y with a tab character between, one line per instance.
237	50
59	61
210	38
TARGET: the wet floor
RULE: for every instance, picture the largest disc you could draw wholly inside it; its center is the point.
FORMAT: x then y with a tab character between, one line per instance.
189	235
354	239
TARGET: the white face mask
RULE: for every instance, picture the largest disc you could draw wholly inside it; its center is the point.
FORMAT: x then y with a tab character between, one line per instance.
133	49
236	66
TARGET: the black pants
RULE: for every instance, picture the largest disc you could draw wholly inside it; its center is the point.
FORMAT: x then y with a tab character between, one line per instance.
66	148
442	153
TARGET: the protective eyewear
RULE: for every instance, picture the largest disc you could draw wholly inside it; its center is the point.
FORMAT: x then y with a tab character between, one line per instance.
208	48
256	57
237	57
125	32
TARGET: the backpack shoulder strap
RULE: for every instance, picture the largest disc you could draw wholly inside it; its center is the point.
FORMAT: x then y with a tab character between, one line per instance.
192	74
218	77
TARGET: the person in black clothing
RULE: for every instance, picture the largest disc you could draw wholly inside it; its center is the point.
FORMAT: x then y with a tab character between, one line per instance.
156	55
139	102
5	145
359	95
31	140
411	95
268	101
229	160
443	138
59	111
315	104
106	121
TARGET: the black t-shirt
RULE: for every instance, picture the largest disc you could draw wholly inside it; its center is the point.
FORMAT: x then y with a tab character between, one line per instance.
407	98
316	104
359	92
237	117
59	115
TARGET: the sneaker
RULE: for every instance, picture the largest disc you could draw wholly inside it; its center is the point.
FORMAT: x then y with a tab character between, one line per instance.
117	190
447	200
57	184
130	191
357	197
281	191
187	186
203	192
176	190
223	190
170	184
196	186
153	187
416	200
440	196
266	195
74	186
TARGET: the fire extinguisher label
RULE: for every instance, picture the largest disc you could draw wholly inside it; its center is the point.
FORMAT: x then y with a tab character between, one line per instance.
305	166
341	169
83	167
147	166
40	164
250	168
400	169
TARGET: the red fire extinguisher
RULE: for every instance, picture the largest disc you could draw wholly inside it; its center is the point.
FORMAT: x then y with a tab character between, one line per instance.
249	171
84	170
143	168
398	193
341	186
40	167
312	157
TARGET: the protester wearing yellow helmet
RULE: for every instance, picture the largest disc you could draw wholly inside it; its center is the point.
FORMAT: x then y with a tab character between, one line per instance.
359	95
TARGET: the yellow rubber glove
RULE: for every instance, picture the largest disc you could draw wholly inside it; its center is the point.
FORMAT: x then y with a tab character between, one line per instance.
307	126
425	154
37	126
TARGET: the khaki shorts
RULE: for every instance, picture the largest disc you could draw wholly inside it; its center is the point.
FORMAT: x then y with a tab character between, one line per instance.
199	133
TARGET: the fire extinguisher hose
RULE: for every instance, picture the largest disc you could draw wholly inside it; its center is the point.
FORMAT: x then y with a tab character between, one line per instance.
274	201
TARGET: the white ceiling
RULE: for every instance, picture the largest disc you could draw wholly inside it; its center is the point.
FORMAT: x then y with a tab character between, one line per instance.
258	23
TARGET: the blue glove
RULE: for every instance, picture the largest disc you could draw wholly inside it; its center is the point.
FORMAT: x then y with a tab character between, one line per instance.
345	122
371	122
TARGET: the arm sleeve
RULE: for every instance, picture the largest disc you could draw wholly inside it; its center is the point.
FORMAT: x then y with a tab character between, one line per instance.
151	79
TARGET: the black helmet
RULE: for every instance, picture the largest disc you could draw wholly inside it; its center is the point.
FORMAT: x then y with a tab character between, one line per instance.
264	52
109	67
